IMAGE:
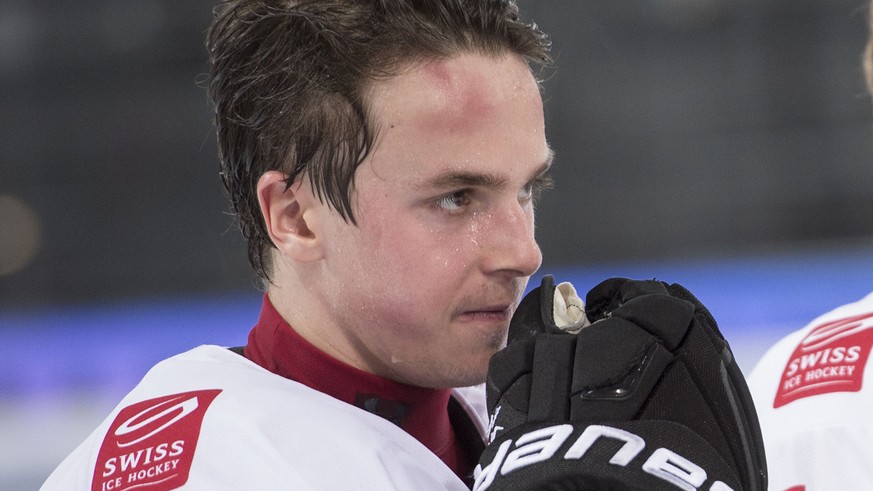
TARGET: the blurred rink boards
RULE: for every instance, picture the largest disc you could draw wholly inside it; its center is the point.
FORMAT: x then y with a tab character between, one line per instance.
63	369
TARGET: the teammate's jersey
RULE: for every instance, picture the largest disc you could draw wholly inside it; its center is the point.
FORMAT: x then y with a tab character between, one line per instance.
212	419
814	394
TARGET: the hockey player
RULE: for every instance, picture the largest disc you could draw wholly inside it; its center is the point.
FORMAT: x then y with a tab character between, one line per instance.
383	157
813	390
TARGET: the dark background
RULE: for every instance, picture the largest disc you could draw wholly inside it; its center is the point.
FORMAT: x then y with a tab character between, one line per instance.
724	144
683	129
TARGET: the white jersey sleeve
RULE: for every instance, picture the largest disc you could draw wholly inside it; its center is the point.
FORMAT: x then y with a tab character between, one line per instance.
210	419
814	394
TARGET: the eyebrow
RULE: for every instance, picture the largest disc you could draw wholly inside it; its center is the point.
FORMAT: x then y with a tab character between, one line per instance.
453	179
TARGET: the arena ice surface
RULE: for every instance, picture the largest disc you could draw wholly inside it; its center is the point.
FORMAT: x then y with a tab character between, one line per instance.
63	369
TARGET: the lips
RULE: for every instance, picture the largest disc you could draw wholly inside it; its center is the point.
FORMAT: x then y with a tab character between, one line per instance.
490	303
498	313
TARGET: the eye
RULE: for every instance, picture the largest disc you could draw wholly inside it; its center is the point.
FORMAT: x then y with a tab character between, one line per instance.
526	193
533	189
454	202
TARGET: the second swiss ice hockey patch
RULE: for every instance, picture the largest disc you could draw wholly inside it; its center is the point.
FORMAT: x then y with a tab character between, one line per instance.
831	358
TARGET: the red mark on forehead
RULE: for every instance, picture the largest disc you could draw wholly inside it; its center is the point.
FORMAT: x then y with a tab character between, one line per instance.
462	95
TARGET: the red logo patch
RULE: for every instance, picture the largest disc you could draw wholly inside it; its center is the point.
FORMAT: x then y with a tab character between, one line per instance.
831	358
151	444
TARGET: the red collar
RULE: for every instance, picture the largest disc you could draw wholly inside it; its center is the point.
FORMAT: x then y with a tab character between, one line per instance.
421	412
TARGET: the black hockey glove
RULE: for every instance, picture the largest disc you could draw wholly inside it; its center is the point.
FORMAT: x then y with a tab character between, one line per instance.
647	397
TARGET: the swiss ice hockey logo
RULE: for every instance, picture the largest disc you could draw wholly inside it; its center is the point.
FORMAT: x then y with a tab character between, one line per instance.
831	358
150	444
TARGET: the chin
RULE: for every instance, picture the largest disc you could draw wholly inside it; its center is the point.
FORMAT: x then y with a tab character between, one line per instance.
459	377
475	375
470	381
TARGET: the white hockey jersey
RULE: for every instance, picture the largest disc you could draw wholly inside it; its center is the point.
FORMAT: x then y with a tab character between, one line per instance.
814	394
209	419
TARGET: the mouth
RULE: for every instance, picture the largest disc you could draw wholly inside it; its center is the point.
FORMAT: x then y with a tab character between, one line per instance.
492	313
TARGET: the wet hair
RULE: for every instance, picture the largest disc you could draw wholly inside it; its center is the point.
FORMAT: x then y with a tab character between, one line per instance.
288	81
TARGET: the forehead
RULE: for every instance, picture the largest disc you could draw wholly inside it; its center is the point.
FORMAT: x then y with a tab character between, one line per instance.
471	107
454	91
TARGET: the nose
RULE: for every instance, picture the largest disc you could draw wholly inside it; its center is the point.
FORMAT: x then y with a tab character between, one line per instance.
513	250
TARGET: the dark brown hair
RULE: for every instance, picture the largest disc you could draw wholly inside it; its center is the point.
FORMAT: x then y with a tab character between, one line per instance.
288	80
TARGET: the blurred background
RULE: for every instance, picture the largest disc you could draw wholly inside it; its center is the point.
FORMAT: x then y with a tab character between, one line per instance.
723	144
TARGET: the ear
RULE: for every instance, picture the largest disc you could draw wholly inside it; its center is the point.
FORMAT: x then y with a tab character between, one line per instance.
287	215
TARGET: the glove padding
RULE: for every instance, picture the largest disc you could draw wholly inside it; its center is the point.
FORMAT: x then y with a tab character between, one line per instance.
648	397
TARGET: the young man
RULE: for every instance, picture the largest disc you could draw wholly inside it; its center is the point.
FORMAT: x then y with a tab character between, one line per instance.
383	157
814	393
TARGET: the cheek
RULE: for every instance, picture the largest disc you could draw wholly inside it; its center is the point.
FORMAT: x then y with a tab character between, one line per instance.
414	278
418	252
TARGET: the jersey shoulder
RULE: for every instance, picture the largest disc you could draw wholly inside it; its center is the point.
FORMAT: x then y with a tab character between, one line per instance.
841	337
211	419
813	390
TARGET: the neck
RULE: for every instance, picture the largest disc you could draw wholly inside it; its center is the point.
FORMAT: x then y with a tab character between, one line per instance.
421	412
